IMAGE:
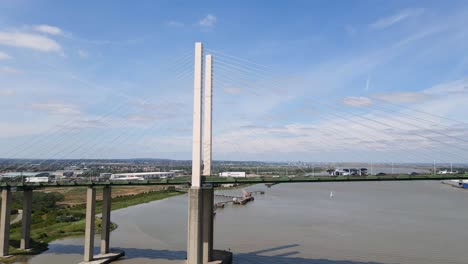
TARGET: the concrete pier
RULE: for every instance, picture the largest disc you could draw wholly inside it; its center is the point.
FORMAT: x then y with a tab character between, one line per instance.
26	221
195	225
106	215
5	222
89	229
208	195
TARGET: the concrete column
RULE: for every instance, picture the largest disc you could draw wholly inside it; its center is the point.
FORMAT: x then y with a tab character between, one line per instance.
26	221
194	242
197	116
89	229
207	130
5	222
208	196
195	194
106	222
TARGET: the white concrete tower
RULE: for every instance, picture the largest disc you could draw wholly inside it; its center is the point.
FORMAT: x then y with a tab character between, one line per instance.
207	130
197	116
195	193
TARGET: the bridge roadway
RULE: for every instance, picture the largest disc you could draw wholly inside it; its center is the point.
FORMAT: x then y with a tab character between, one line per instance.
203	207
250	180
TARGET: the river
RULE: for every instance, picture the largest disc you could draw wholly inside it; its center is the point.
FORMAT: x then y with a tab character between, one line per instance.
363	223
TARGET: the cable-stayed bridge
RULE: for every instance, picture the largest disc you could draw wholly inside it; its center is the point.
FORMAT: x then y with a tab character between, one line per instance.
381	130
214	180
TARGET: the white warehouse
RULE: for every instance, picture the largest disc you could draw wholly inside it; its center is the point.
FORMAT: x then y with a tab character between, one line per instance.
142	175
235	174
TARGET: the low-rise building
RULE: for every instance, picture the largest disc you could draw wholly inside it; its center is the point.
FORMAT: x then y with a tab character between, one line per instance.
234	174
15	174
142	175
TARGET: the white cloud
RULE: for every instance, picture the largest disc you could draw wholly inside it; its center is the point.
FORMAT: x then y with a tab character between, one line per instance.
208	21
51	30
7	92
398	17
9	70
174	23
4	56
83	54
404	97
31	41
455	87
357	101
8	129
56	108
141	118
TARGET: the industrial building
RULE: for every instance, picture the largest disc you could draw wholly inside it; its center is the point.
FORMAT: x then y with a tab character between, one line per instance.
142	175
234	174
16	174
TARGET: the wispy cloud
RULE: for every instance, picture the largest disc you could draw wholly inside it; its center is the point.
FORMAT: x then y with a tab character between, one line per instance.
57	108
404	97
368	83
138	118
9	70
457	87
357	101
7	92
4	56
31	41
208	21
232	90
386	22
47	29
83	54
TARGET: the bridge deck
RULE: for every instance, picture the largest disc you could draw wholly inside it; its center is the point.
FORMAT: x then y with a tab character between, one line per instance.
250	180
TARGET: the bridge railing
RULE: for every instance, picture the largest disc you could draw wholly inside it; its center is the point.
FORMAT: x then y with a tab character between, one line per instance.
215	180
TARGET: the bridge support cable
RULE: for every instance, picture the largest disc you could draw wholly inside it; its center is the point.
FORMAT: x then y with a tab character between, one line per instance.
318	129
247	70
428	138
56	138
400	106
389	114
226	68
125	134
365	134
100	139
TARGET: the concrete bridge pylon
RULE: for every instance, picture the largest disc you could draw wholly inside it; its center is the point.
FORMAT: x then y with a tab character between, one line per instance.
200	213
195	194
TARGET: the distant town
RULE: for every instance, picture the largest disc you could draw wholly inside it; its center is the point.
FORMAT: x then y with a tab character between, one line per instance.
31	170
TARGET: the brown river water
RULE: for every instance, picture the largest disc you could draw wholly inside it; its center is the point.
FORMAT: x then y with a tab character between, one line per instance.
363	223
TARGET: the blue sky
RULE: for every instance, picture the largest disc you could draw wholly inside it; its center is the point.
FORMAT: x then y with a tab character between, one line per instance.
293	80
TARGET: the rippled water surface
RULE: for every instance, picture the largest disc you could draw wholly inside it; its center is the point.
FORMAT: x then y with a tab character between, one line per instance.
372	223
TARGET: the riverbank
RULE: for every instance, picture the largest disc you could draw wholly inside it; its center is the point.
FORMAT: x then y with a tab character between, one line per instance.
68	221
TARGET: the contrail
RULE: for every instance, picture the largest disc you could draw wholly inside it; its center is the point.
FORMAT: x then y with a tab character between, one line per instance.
368	82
